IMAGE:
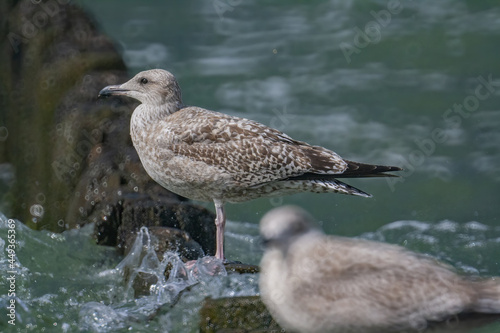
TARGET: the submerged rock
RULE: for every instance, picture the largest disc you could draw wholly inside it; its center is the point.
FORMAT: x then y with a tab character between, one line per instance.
241	268
166	239
236	314
194	220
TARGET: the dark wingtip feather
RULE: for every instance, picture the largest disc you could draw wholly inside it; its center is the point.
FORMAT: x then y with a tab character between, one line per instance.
355	169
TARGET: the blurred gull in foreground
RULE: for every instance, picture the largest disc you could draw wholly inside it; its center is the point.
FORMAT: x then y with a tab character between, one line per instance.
312	282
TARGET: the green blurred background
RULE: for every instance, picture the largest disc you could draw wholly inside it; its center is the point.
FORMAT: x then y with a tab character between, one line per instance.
371	80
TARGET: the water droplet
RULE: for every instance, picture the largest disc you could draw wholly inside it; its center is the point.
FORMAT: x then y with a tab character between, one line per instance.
40	198
37	210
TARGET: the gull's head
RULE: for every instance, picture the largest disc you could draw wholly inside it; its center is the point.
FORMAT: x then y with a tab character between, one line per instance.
154	87
283	224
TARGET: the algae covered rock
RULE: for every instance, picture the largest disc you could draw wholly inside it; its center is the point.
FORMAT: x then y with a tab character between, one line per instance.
53	61
236	314
70	154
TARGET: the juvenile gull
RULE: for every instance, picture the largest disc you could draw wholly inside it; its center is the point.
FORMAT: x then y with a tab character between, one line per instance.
210	156
312	282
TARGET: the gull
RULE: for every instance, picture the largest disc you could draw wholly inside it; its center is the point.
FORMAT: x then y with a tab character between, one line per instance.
210	156
312	282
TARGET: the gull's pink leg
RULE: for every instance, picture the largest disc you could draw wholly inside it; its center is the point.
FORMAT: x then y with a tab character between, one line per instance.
220	223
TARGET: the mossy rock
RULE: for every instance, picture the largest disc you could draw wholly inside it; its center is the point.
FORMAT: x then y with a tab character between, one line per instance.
236	314
241	268
71	153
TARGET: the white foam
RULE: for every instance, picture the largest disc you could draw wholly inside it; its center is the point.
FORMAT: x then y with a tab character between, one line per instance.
446	225
474	225
404	224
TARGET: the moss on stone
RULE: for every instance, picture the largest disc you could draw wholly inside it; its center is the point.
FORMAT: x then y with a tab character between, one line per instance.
236	314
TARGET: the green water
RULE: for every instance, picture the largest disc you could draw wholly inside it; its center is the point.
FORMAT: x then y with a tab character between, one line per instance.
66	283
419	87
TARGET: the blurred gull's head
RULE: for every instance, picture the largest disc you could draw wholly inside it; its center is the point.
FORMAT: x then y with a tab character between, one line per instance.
281	225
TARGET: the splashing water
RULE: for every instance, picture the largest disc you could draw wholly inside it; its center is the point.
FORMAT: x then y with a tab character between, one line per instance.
67	283
139	267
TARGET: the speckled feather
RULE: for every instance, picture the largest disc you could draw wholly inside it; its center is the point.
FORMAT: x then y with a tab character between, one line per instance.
245	158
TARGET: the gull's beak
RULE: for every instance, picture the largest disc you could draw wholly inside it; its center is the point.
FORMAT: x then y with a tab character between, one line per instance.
113	90
264	242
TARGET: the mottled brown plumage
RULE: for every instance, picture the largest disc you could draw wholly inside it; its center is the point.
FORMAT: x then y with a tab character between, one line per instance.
210	156
312	282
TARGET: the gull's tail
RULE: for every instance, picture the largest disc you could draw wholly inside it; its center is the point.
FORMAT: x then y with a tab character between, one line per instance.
354	170
361	170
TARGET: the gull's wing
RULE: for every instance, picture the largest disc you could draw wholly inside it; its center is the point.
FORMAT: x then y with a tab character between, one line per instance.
253	154
388	279
244	147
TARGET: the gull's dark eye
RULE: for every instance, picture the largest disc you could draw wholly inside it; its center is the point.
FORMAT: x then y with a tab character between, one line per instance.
144	80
